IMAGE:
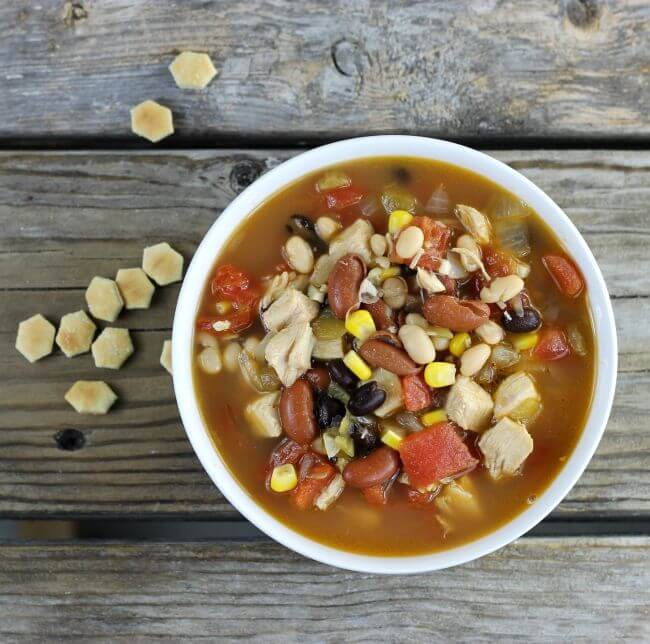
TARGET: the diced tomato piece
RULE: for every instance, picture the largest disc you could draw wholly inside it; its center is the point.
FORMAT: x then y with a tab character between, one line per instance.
498	263
565	275
420	498
287	451
342	198
415	392
552	344
315	474
230	282
436	240
435	453
237	321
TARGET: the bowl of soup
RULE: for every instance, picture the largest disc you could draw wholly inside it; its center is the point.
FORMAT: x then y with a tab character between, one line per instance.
394	354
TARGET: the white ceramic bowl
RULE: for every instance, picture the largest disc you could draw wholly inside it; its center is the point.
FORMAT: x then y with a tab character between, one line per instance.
328	155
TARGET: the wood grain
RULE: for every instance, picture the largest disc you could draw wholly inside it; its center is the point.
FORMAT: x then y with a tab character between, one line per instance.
305	71
262	592
65	217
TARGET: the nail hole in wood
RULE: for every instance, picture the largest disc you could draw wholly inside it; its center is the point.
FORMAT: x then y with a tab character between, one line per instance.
349	57
70	440
583	13
244	173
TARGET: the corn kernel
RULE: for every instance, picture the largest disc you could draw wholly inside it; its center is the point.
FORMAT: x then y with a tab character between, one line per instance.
356	364
440	374
459	343
433	417
223	307
345	445
284	478
392	437
398	219
393	271
360	324
525	341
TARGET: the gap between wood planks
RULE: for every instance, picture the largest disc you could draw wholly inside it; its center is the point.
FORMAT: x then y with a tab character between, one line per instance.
177	142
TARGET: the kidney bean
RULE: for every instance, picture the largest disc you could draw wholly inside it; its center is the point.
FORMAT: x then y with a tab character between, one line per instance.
366	399
343	284
319	377
529	321
341	374
370	470
381	354
329	411
382	315
455	314
297	412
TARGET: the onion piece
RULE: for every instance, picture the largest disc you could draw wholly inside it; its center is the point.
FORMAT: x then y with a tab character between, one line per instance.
369	206
438	203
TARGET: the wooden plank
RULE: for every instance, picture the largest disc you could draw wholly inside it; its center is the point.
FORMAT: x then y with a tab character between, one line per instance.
305	70
67	216
265	593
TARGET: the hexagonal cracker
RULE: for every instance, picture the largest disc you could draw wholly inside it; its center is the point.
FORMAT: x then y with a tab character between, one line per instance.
192	70
166	356
35	337
104	299
90	397
75	335
135	287
162	264
111	348
151	121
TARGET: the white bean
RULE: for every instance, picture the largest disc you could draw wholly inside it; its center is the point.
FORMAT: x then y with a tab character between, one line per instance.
378	245
490	332
472	361
299	254
206	339
417	343
409	242
210	360
417	319
502	289
395	291
326	228
231	356
251	343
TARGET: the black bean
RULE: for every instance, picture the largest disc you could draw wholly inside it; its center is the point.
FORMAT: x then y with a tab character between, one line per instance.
366	399
329	411
305	228
365	438
529	321
342	374
401	174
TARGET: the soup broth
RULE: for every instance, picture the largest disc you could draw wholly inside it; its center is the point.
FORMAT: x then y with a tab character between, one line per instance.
449	513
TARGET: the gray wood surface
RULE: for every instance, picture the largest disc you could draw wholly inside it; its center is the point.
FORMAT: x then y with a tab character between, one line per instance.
65	217
313	70
541	590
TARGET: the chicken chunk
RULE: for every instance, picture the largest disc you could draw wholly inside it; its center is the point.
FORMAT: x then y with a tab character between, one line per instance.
469	405
505	447
515	395
475	223
291	307
262	414
289	352
457	499
274	289
353	239
332	492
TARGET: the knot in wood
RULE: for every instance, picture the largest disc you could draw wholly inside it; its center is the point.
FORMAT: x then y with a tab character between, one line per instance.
349	57
70	440
583	13
244	173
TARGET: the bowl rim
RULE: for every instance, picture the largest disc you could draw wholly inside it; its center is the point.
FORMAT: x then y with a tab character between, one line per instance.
398	146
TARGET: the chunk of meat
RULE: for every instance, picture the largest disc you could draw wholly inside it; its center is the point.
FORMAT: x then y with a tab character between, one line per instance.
513	393
416	394
289	352
435	453
474	222
458	315
291	307
505	447
469	405
355	239
262	414
332	492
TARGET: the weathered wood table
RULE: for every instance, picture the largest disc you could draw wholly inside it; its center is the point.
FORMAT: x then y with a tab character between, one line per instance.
559	90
